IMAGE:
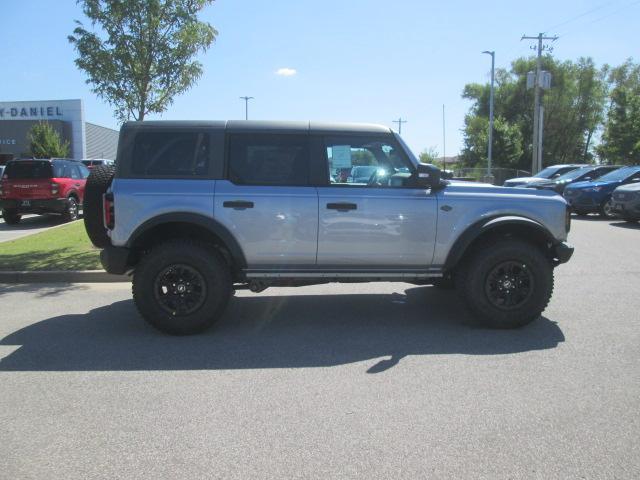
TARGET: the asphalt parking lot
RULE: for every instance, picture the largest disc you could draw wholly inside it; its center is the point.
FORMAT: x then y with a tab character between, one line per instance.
353	381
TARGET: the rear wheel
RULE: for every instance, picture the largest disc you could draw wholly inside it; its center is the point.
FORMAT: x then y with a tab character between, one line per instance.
507	284
11	217
71	210
97	184
182	287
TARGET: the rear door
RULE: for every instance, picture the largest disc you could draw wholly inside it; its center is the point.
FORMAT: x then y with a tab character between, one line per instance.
266	200
380	221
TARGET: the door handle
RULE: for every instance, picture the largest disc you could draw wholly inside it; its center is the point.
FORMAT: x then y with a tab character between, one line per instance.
342	207
76	184
238	204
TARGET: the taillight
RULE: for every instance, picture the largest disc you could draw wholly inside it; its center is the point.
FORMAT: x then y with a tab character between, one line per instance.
1	189
55	188
108	210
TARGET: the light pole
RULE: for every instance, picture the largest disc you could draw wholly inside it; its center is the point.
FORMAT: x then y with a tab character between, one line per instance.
246	106
490	148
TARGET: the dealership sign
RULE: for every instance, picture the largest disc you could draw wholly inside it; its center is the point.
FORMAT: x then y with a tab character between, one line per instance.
30	112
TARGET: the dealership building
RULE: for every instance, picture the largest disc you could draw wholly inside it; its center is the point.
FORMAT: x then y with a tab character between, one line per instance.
86	140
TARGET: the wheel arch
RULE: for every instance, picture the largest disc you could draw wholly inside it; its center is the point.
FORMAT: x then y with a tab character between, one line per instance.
187	225
502	226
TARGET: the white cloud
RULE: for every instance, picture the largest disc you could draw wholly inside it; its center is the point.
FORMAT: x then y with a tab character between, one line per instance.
286	72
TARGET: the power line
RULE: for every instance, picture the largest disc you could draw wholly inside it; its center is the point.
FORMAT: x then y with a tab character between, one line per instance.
572	19
610	14
400	121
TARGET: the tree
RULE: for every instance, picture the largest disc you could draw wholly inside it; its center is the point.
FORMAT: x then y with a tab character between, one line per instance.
145	54
621	138
45	142
429	155
573	111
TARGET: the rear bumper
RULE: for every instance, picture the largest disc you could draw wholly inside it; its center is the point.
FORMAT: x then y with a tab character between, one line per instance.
562	252
35	205
115	260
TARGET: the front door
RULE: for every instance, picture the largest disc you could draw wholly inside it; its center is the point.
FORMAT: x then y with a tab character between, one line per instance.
266	201
369	215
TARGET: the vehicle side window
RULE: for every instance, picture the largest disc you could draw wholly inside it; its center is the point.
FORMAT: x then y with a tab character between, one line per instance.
75	172
180	154
66	170
268	159
366	162
84	171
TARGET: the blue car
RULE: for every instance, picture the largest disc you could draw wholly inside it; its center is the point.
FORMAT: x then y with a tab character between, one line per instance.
595	196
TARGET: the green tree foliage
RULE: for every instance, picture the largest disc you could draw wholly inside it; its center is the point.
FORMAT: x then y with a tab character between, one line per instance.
429	155
45	142
143	55
573	110
621	138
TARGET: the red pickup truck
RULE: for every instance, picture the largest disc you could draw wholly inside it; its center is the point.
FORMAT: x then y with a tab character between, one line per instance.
42	186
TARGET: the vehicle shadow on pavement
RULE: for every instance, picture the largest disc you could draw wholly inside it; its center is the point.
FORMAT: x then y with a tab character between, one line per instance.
32	223
629	225
273	332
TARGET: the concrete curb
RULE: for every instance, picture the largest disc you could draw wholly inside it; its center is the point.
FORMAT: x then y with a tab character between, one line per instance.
61	276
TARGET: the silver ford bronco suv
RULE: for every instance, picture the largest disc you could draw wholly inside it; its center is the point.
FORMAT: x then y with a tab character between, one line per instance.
196	210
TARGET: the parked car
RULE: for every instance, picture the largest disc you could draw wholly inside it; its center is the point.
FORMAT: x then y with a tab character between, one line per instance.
581	174
91	163
626	201
553	171
197	210
362	174
595	196
41	187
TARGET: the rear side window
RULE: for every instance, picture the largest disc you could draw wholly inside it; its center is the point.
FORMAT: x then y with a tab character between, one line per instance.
268	159
171	154
28	169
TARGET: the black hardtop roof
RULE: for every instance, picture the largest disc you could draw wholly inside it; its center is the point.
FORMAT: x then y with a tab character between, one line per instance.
264	126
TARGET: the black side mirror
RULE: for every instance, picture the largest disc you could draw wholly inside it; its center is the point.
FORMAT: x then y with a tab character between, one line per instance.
428	176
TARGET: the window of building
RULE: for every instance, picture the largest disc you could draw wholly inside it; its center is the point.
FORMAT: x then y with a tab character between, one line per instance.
268	159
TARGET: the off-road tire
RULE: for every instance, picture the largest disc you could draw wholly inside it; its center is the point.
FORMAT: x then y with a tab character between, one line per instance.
11	217
630	219
97	184
71	210
473	282
606	209
149	280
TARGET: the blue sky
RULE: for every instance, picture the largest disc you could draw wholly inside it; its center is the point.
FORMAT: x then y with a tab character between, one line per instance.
355	60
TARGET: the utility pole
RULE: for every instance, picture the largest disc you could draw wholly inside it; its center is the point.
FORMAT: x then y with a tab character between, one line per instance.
400	121
490	148
536	160
246	106
444	143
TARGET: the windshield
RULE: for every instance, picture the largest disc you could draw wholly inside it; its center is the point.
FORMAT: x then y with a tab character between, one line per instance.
618	175
28	170
547	172
573	174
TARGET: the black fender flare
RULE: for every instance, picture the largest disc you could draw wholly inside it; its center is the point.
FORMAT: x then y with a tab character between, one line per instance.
213	226
485	225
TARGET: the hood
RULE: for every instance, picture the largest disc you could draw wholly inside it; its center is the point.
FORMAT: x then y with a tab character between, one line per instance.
631	187
524	180
595	183
487	188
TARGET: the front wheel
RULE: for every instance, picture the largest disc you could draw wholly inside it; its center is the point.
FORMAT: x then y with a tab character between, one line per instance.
507	284
182	287
606	209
